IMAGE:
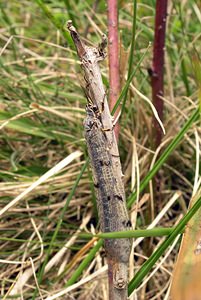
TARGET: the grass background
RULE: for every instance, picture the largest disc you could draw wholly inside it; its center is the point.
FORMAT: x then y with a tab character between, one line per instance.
41	114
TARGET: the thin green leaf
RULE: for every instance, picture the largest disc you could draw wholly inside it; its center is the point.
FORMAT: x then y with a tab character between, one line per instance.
136	233
132	48
84	263
164	156
135	282
55	21
126	86
27	126
69	10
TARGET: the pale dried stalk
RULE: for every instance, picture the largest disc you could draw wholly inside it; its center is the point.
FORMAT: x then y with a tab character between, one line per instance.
106	167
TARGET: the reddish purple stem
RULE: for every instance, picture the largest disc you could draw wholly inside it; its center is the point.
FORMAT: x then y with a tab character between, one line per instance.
114	79
158	66
113	50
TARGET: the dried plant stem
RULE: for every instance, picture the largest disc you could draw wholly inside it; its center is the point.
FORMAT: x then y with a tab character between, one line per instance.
158	66
106	166
113	49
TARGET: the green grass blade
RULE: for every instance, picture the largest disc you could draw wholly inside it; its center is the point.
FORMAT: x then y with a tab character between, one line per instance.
129	80
28	126
84	263
6	18
55	21
136	233
131	56
69	10
135	282
164	156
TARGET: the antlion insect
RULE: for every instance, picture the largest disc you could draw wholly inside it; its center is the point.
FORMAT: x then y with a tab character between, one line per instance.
105	165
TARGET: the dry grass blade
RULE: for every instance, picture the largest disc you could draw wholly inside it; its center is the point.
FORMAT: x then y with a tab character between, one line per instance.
53	171
79	284
60	254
